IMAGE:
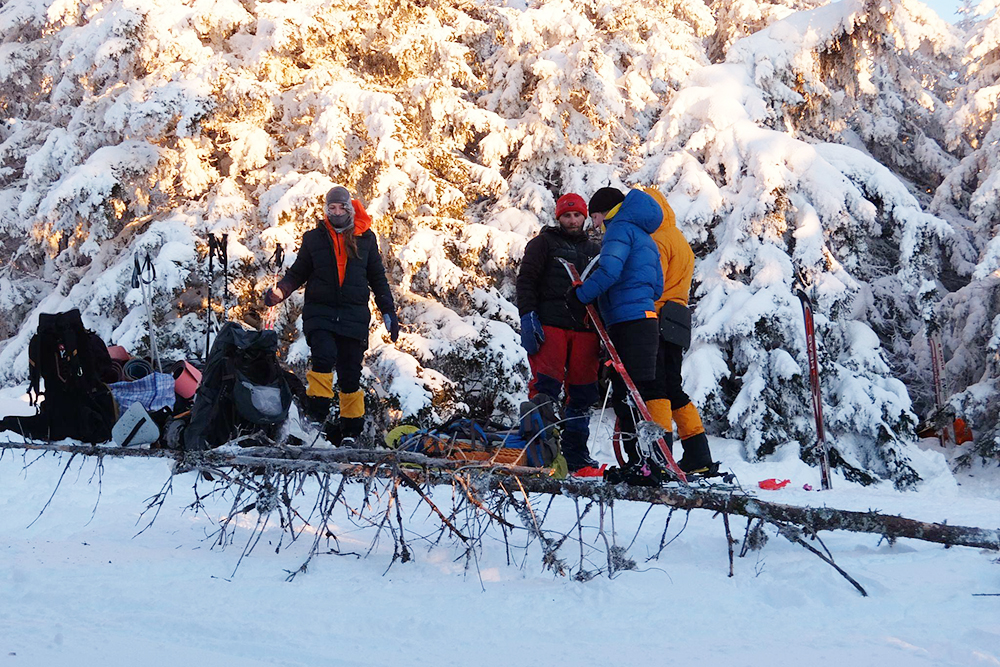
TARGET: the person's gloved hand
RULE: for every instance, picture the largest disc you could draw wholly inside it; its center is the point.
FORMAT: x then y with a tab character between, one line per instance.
392	326
532	335
576	307
273	297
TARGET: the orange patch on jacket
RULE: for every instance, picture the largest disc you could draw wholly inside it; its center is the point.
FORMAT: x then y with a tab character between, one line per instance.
362	223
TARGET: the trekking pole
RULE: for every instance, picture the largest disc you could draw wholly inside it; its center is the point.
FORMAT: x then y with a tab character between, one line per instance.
619	366
223	249
277	261
208	290
817	395
944	427
139	279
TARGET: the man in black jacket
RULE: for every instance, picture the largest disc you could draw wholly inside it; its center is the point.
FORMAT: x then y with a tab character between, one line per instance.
340	264
562	350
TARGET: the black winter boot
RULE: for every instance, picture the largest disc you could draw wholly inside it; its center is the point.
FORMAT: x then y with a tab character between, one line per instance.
350	430
317	408
697	455
574	448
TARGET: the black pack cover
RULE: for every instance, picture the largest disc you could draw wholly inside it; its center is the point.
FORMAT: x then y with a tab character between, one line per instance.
72	364
242	390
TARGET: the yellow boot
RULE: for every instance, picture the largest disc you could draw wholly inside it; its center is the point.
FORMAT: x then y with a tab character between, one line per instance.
697	455
319	384
352	417
319	396
659	410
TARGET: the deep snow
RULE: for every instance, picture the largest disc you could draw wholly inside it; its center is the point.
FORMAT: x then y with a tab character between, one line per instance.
79	587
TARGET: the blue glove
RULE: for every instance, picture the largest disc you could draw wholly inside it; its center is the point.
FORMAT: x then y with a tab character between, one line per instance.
392	326
532	335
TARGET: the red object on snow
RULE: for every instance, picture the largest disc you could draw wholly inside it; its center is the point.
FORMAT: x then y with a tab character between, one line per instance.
963	433
590	471
773	484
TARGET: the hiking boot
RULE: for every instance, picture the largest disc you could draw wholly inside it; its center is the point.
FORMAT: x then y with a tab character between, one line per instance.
575	464
333	434
590	472
711	470
317	408
697	456
348	442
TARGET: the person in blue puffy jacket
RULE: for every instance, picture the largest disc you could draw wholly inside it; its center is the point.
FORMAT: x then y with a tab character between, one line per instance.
626	284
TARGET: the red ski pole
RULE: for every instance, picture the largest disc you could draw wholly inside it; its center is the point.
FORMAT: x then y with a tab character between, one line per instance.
616	363
817	396
945	427
277	260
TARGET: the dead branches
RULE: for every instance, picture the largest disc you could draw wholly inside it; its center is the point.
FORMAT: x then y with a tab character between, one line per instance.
298	490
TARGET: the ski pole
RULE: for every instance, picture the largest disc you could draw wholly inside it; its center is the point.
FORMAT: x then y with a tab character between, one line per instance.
277	261
139	273
223	248
817	396
946	426
619	366
208	290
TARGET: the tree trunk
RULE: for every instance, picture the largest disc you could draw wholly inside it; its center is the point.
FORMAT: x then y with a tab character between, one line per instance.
482	475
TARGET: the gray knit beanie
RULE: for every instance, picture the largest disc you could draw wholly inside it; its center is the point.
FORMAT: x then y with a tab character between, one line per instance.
344	222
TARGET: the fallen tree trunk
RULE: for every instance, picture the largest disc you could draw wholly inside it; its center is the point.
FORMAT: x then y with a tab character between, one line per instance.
496	477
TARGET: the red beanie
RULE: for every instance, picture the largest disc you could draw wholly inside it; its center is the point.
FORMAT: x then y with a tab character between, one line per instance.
571	202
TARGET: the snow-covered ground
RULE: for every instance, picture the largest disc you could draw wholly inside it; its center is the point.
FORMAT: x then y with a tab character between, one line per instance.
78	586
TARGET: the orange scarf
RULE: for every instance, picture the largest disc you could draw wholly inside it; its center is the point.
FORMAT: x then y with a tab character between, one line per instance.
362	222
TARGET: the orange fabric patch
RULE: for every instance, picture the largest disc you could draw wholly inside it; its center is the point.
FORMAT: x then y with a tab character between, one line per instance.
340	252
362	223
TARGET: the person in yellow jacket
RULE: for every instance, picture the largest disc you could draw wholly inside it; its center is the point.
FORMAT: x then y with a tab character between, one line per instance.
669	403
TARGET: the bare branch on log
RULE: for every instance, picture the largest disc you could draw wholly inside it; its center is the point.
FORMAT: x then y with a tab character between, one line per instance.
794	534
268	479
729	542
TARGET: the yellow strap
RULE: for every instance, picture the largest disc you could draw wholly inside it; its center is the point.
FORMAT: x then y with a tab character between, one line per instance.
319	384
688	421
353	404
659	410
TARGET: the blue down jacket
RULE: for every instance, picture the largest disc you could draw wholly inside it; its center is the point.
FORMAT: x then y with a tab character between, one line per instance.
628	279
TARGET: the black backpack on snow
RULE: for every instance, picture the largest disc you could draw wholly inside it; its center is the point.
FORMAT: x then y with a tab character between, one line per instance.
243	390
67	356
68	365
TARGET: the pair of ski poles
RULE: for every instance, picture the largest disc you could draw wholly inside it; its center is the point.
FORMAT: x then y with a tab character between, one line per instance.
217	247
143	275
817	396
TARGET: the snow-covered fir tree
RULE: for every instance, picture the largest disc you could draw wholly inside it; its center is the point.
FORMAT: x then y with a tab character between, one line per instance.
736	19
147	125
970	316
777	208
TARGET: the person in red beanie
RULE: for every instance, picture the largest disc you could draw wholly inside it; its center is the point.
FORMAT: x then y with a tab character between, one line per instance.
563	351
